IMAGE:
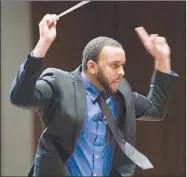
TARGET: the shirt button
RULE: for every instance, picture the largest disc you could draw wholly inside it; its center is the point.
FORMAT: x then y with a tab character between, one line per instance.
96	157
94	174
97	139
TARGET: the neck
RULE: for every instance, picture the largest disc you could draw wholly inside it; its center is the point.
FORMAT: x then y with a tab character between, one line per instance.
92	78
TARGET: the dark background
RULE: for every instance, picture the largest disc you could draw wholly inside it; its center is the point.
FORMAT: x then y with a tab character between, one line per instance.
163	142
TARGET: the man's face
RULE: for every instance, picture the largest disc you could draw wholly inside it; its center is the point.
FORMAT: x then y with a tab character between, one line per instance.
110	68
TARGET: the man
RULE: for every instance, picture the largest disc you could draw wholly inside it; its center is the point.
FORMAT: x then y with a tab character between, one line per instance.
78	139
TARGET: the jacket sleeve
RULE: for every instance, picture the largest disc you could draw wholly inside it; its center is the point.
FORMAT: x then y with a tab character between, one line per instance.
154	106
31	89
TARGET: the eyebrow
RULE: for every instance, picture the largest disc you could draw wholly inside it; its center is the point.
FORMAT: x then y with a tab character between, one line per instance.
116	61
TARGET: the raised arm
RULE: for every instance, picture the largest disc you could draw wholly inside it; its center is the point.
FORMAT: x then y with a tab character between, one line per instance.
154	106
31	89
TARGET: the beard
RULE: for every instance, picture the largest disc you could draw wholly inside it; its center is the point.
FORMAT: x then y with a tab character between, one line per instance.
104	81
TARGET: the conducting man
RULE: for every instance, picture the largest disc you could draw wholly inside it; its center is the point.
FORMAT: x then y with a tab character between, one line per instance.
84	135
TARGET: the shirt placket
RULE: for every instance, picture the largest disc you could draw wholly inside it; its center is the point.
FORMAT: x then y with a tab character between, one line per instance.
98	145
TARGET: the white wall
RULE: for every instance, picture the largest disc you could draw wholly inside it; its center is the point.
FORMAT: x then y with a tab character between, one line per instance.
16	124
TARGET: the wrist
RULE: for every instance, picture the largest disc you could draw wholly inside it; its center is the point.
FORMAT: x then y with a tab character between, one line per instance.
163	65
41	48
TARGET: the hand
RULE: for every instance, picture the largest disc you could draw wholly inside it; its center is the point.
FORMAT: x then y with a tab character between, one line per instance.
157	47
154	44
47	29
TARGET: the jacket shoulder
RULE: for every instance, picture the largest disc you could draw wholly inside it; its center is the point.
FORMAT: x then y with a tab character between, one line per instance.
56	78
124	83
54	72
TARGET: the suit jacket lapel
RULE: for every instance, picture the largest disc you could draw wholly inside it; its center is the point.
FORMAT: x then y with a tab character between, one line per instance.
129	119
80	100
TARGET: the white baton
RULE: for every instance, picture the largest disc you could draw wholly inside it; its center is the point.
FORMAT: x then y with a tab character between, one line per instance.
73	8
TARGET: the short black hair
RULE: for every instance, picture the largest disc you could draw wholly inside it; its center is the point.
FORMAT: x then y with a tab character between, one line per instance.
94	47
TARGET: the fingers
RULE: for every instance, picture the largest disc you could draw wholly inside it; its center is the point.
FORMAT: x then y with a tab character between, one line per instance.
147	39
49	19
143	35
156	45
152	36
159	41
55	18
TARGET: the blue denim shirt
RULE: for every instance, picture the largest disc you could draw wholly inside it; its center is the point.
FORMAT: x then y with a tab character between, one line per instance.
92	155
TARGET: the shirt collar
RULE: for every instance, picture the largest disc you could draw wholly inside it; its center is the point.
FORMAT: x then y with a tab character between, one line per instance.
91	89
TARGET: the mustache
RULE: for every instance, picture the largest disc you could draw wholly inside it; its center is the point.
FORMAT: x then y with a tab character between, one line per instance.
117	80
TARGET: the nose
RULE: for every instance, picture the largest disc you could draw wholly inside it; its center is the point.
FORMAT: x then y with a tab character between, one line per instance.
121	71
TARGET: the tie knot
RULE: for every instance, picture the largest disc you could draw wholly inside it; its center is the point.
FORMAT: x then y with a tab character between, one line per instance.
103	95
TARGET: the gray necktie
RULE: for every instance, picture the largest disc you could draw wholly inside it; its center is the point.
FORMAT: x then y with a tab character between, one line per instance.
132	153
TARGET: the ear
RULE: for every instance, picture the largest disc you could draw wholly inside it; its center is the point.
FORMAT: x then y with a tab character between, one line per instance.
92	66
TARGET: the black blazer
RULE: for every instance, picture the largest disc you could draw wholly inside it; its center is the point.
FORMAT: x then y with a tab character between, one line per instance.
60	99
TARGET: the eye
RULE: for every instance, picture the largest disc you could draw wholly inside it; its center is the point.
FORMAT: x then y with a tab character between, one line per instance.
114	65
